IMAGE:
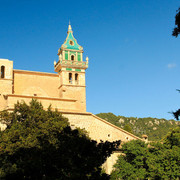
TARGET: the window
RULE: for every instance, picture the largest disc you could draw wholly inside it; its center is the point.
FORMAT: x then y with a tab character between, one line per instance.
71	43
72	57
2	71
76	78
70	78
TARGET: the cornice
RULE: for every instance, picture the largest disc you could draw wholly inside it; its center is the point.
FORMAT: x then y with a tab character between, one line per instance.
65	49
77	113
37	97
35	72
6	79
71	85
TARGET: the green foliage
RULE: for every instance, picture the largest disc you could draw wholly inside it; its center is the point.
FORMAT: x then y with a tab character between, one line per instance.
154	128
110	117
177	113
128	128
176	30
132	165
39	144
149	161
173	137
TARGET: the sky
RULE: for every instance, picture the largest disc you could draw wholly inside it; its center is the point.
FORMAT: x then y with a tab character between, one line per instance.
134	61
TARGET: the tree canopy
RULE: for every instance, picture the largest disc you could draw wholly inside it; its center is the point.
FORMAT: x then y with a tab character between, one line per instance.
177	113
128	128
150	161
40	144
176	30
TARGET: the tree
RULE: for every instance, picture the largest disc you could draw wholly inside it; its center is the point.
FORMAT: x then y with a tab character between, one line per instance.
177	113
131	164
150	161
128	128
39	144
176	30
173	138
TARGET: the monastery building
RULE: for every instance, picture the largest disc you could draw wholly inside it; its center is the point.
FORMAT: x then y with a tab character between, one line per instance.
65	90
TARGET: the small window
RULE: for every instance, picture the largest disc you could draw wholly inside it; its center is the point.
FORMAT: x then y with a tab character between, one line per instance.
76	78
71	43
72	57
73	126
2	71
70	78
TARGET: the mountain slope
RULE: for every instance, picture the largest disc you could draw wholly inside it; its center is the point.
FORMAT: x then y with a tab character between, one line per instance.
155	128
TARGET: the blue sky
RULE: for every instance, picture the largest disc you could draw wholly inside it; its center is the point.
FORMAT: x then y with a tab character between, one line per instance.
134	61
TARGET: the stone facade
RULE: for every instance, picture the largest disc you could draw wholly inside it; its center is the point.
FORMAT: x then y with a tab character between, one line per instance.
98	128
65	90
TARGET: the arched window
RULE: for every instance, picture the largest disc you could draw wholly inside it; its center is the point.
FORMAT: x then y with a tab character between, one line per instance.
70	78
2	71
76	78
72	57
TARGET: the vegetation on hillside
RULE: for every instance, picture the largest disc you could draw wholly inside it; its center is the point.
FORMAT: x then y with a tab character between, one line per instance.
39	144
154	128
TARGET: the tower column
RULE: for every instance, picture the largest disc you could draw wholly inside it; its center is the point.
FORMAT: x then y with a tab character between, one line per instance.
72	71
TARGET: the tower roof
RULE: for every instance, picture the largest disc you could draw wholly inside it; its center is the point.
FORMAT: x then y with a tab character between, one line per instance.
71	42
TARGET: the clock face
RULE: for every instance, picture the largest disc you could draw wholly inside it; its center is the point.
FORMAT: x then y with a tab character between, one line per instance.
71	43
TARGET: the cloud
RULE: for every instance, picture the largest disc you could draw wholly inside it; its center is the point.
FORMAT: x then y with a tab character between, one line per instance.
171	65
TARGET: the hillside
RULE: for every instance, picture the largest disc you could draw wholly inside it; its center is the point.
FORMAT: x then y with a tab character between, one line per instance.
155	128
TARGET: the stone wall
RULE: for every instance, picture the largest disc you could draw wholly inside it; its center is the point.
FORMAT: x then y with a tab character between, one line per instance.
36	83
98	128
108	165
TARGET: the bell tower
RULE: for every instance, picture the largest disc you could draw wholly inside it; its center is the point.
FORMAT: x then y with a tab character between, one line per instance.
71	69
6	81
